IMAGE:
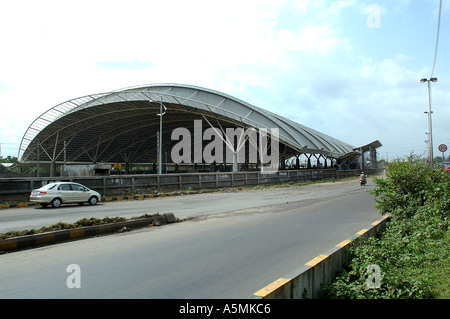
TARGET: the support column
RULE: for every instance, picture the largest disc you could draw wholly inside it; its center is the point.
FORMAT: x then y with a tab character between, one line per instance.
235	164
53	169
362	161
373	158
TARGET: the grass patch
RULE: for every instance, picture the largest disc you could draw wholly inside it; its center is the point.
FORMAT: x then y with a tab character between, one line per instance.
440	279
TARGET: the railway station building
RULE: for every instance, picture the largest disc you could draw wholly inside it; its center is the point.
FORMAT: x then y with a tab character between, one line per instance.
165	128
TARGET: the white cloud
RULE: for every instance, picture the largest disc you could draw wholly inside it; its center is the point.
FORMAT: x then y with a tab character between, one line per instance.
320	39
296	58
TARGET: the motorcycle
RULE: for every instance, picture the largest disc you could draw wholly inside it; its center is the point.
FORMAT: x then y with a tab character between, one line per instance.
362	181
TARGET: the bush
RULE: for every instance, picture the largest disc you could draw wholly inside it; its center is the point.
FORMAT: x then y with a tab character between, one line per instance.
410	184
414	245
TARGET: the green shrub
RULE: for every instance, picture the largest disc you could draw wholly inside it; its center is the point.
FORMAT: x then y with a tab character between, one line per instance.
413	249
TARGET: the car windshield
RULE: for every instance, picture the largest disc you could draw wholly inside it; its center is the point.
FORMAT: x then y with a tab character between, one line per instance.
48	186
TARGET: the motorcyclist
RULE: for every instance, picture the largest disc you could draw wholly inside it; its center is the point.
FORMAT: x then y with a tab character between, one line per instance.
362	178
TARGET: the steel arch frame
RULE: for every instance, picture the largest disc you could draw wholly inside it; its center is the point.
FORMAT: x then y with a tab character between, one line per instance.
72	121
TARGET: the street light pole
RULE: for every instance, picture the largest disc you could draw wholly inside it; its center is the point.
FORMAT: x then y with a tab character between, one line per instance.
430	134
38	155
160	136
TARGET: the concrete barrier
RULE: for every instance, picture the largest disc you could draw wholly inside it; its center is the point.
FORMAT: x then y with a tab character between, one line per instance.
306	281
29	241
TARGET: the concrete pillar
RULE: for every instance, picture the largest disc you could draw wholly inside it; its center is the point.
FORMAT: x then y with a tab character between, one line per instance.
53	169
235	164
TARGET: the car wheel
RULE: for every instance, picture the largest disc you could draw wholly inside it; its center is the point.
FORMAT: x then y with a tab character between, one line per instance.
93	200
56	202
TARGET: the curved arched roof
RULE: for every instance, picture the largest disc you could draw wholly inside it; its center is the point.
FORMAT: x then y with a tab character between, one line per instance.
121	125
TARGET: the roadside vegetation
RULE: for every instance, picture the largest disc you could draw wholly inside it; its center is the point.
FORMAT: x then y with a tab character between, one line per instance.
62	226
413	252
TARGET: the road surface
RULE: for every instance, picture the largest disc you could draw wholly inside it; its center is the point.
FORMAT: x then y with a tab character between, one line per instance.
239	243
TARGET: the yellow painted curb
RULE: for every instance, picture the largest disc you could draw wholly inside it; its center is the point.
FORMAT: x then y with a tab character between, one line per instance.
362	231
76	233
344	243
271	287
316	260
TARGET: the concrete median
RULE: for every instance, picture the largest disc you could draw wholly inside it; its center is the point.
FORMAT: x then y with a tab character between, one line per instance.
53	237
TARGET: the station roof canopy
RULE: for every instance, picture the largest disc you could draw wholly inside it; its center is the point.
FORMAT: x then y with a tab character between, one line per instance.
371	146
122	125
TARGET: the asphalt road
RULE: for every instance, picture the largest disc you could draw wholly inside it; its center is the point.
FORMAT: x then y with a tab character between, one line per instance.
186	205
240	242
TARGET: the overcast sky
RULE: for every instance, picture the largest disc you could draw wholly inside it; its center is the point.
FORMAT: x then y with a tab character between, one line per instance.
349	69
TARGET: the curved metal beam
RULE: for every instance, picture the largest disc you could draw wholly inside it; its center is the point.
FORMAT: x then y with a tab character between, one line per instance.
96	120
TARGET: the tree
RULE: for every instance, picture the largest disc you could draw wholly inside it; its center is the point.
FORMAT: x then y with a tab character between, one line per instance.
9	159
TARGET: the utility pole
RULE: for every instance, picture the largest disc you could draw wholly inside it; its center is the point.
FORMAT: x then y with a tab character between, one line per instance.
160	136
38	157
430	134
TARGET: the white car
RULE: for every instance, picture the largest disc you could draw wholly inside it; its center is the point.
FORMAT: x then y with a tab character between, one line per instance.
60	193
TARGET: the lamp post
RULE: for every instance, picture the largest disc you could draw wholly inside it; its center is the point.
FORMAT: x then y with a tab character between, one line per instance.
160	136
38	168
430	134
